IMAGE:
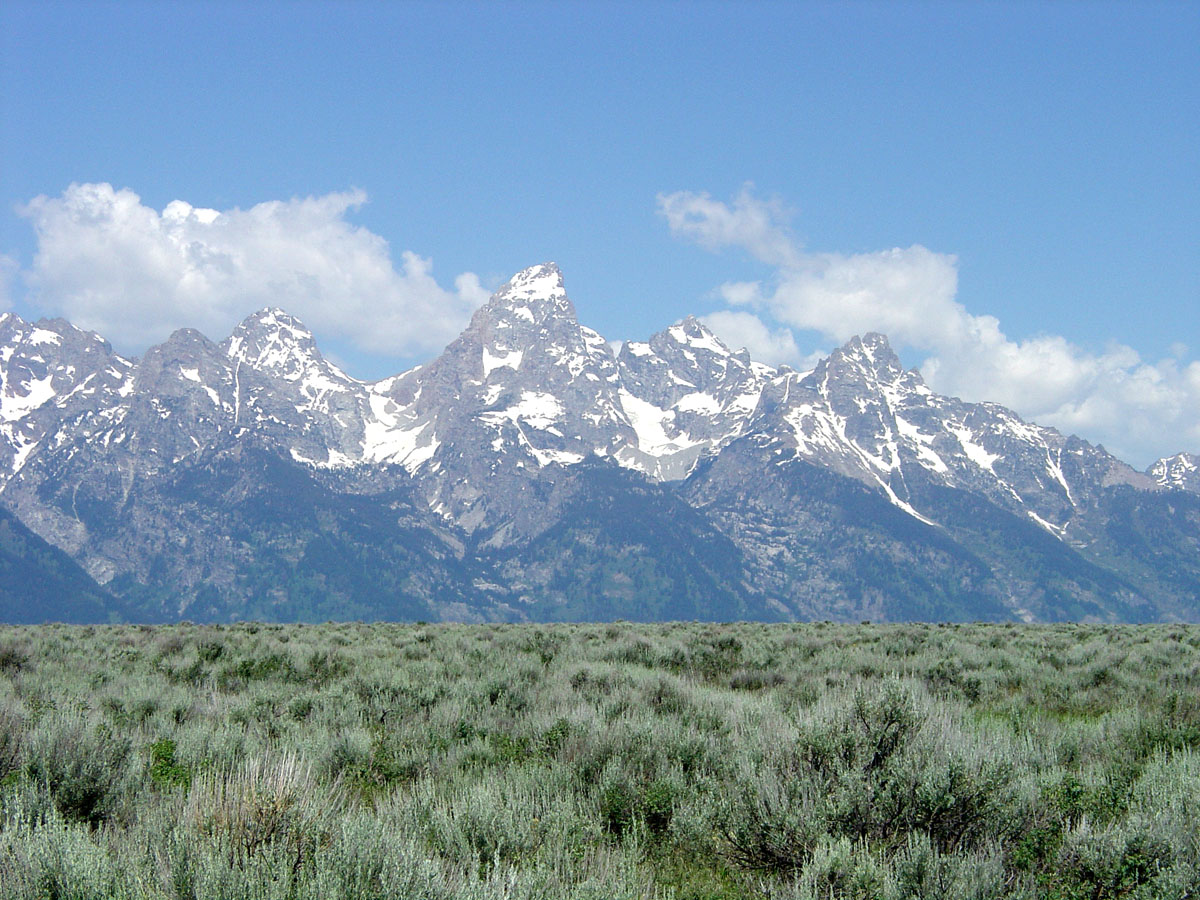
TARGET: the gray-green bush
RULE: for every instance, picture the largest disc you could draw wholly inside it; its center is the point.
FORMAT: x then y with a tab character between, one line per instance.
799	762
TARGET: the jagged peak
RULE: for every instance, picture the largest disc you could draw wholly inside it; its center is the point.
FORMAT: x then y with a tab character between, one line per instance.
184	337
693	333
871	343
19	330
271	339
542	282
272	324
542	273
45	331
871	352
273	320
687	335
1185	459
534	294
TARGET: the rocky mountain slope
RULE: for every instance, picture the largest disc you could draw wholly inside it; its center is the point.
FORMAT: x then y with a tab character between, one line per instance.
532	472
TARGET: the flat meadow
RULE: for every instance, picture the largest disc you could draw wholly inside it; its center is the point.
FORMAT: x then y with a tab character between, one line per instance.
685	760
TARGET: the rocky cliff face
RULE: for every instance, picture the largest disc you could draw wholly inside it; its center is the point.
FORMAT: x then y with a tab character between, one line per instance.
530	471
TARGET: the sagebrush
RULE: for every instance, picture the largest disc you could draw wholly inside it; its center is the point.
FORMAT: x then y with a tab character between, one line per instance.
609	761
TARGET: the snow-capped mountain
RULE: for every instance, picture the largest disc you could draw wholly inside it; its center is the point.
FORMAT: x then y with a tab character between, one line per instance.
524	387
54	380
861	414
1181	471
174	480
685	393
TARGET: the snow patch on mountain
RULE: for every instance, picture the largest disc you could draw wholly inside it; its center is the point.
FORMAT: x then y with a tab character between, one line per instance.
1057	530
699	402
510	360
536	408
974	451
923	445
558	457
657	434
20	400
43	336
1179	472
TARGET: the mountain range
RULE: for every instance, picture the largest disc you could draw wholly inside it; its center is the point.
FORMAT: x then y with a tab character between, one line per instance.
533	471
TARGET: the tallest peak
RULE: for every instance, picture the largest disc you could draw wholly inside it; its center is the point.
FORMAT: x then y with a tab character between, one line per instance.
532	294
541	281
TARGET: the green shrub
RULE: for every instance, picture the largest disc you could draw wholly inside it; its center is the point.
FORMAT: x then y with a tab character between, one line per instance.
1106	865
82	768
618	807
164	770
12	740
555	736
13	657
658	804
210	651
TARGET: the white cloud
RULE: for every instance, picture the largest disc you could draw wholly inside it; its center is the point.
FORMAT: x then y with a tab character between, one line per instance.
108	262
757	225
1137	409
906	293
740	329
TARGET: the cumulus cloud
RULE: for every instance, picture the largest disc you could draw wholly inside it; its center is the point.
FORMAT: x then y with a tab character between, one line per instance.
742	329
110	263
757	225
1138	409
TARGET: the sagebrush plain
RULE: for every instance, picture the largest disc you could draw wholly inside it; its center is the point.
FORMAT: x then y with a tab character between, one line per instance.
602	761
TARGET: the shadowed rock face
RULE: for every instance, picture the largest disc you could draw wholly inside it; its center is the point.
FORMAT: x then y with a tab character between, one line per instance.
851	490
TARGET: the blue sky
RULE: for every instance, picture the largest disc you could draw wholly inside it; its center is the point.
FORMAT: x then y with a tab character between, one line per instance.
1034	166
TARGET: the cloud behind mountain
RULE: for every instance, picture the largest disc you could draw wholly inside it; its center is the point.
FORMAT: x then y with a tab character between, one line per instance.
1136	407
109	262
